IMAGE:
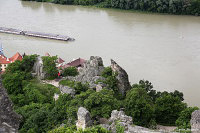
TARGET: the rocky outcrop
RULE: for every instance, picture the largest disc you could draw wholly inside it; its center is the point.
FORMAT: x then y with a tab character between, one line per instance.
195	121
9	120
122	77
118	118
38	69
84	119
90	72
67	90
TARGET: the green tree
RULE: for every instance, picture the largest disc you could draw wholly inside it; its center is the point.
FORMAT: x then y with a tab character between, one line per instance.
101	104
70	71
50	66
168	108
183	121
140	106
14	82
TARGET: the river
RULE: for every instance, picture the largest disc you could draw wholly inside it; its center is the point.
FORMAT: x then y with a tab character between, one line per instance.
164	49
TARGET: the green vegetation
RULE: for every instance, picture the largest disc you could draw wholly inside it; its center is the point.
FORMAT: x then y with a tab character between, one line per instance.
188	7
111	81
78	86
96	129
70	71
140	106
41	113
183	121
49	63
168	109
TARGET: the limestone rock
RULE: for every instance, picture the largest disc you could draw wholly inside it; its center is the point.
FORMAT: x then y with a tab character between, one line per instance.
124	121
9	120
195	121
90	72
122	77
100	86
84	119
38	69
67	90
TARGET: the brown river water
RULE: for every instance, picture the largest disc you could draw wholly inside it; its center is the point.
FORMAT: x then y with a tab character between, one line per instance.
164	49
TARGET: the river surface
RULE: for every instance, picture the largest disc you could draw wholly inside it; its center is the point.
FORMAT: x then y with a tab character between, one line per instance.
164	49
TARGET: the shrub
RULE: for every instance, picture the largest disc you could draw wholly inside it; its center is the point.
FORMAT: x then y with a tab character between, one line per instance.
101	103
139	106
168	108
70	71
50	66
183	121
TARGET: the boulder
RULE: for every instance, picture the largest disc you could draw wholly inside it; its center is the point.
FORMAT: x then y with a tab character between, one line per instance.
84	119
119	117
38	69
122	77
90	72
67	90
9	120
195	121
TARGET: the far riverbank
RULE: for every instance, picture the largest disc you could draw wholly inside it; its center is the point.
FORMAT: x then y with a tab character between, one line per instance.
180	7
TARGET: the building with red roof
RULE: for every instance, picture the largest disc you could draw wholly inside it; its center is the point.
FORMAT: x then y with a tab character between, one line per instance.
4	61
75	63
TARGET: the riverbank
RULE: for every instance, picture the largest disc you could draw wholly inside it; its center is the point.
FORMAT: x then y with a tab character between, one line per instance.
165	7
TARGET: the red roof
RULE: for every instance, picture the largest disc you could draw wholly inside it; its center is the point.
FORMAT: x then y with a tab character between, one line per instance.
15	57
60	60
77	62
5	60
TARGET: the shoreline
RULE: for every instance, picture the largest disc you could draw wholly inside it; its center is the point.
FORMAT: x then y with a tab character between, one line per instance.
98	6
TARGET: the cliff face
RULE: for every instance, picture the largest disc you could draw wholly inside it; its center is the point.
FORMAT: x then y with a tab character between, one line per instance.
9	120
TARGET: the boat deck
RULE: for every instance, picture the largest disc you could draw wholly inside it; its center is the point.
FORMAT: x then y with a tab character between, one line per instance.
35	34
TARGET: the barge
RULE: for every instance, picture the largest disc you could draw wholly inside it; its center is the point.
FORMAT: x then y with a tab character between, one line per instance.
35	34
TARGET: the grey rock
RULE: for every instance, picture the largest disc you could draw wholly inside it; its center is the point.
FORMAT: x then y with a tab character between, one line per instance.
120	116
138	129
122	77
38	69
90	72
99	87
67	90
126	122
84	118
195	121
9	120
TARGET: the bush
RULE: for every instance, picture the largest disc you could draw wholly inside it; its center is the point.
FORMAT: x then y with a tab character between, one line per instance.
70	71
168	108
101	103
50	66
96	129
183	121
14	82
78	86
139	106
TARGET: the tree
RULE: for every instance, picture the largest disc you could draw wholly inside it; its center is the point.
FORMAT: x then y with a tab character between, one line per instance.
70	71
168	108
50	66
183	121
139	106
14	82
101	104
